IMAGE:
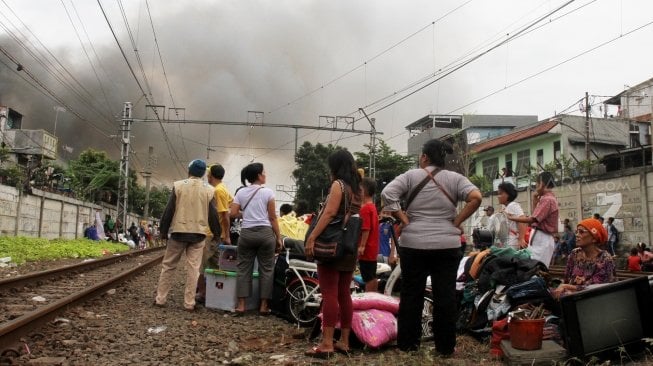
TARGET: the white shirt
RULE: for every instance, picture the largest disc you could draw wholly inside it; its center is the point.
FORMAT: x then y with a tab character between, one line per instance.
513	208
256	212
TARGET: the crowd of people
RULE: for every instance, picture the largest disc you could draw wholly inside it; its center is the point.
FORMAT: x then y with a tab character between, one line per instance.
419	223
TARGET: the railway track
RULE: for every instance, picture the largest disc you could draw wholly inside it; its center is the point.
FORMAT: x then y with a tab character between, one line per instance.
27	302
559	272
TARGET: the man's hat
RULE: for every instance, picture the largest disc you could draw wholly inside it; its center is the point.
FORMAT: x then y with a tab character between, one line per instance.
197	168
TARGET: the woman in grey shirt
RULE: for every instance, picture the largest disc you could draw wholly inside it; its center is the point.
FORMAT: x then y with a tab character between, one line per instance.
430	242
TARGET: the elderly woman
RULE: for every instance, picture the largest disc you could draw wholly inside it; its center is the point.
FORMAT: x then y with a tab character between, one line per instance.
335	277
588	264
430	242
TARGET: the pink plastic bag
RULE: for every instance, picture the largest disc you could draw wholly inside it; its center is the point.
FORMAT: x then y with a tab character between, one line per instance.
375	300
374	327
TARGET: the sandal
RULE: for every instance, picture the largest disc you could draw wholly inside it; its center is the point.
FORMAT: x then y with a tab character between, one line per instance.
340	349
238	313
265	313
316	352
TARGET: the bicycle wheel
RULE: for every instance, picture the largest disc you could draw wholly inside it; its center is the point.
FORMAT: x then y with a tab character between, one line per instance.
304	302
427	319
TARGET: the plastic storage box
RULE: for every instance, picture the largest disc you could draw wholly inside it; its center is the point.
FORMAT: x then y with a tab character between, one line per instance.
221	290
228	260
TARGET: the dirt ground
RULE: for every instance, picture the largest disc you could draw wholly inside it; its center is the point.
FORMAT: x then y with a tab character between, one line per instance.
125	328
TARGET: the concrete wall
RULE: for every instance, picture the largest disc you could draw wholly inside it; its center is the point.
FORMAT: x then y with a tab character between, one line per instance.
48	215
625	195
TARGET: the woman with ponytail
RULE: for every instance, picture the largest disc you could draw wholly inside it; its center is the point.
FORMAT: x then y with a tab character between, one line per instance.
430	242
259	236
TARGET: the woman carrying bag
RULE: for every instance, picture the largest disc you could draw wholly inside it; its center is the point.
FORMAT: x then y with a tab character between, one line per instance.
430	243
335	276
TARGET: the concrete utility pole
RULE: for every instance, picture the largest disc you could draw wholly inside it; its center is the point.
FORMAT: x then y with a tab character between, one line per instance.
372	122
147	174
587	127
123	180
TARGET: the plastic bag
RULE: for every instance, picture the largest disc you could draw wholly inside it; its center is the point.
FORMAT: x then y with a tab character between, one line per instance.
374	300
374	327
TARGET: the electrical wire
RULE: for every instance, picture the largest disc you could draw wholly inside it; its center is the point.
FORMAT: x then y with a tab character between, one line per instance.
165	75
605	43
51	93
470	60
48	66
362	65
144	94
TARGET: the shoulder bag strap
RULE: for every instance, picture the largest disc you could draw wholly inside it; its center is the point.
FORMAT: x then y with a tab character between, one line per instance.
432	176
415	191
250	198
347	209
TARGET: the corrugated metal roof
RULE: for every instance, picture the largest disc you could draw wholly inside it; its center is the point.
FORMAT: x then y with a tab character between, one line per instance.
518	135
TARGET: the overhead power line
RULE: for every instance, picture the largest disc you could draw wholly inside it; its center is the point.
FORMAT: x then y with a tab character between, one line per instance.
362	65
594	48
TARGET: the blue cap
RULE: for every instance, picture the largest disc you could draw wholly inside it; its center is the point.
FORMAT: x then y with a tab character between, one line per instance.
197	168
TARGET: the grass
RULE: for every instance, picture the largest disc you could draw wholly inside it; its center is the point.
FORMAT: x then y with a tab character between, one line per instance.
26	249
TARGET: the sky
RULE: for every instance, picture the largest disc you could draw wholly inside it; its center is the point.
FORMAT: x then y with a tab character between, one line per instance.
297	60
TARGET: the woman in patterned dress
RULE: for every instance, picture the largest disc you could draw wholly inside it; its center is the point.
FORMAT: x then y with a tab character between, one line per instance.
587	264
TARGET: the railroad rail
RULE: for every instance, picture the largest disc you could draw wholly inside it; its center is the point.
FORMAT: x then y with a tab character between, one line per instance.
30	301
559	272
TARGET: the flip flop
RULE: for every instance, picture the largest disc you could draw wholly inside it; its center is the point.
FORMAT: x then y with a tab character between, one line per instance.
238	313
339	349
316	352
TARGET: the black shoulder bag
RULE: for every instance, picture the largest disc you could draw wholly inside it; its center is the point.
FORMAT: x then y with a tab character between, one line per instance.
340	236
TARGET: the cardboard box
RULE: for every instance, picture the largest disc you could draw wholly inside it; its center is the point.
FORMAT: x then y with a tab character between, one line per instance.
221	290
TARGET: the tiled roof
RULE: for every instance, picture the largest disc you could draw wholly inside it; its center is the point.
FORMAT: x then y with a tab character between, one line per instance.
519	135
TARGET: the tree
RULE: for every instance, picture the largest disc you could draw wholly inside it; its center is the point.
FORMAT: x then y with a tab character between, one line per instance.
462	159
158	200
388	162
10	173
95	177
312	173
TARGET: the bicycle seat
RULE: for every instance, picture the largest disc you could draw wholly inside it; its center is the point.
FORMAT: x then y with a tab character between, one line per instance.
383	268
302	265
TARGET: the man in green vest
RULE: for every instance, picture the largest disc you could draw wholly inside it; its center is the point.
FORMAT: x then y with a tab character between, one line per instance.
188	216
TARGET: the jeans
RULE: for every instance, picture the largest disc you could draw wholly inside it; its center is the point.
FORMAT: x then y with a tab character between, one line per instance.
416	265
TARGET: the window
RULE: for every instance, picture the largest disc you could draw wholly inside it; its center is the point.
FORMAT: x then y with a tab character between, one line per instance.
491	168
523	162
509	170
634	135
540	158
556	150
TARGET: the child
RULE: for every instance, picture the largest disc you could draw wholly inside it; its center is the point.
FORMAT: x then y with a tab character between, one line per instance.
387	244
368	247
634	261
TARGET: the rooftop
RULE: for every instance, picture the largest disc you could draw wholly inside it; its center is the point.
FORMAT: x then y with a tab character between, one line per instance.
514	136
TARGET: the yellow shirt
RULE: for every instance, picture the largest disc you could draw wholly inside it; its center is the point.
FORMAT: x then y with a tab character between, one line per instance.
223	200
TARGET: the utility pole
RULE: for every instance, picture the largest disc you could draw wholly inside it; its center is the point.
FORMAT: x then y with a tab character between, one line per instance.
208	146
587	131
372	122
123	180
147	174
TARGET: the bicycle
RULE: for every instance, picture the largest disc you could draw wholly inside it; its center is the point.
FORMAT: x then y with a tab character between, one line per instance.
304	298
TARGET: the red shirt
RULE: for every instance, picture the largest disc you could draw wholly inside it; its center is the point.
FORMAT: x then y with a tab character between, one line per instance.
546	213
370	223
634	263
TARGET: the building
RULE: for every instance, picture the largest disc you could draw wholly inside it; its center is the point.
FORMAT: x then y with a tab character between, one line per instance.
37	143
635	103
559	141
